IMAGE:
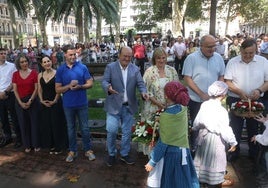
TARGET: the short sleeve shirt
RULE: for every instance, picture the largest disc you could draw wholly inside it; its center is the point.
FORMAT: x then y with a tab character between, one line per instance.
65	75
247	76
203	71
25	86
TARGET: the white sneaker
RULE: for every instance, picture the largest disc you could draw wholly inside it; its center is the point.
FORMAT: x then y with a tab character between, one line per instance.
90	155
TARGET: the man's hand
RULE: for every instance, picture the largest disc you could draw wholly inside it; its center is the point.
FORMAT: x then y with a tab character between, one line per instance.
145	96
111	90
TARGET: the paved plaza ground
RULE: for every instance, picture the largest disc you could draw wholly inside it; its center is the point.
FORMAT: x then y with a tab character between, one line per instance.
40	169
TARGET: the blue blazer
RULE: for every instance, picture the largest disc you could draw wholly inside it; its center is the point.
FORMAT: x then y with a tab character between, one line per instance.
113	76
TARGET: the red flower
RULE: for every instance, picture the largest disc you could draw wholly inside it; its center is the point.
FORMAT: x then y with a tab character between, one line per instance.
150	130
142	123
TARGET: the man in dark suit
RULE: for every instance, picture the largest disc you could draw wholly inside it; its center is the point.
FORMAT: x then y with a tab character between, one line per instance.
120	81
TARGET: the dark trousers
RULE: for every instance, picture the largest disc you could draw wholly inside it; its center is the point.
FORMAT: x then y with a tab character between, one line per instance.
237	123
179	64
7	106
28	123
140	63
193	111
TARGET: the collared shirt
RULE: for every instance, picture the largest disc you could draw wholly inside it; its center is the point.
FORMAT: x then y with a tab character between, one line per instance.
203	71
124	75
180	48
64	75
6	72
247	76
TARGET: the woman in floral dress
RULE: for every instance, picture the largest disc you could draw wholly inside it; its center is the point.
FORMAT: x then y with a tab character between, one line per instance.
155	78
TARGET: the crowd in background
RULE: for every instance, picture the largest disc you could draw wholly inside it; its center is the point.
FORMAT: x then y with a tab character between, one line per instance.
160	61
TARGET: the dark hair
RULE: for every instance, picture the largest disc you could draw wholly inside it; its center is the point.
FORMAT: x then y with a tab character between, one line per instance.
43	56
17	60
67	47
248	43
3	49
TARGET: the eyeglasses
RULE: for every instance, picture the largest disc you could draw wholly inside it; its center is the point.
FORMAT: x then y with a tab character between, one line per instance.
3	53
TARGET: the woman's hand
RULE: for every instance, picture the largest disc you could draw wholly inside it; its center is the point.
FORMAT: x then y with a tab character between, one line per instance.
232	149
25	105
48	103
261	118
148	167
253	139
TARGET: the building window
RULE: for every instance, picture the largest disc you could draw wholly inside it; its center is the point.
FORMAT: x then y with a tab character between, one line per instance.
6	11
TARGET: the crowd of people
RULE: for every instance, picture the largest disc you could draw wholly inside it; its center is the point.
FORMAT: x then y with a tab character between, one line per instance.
51	86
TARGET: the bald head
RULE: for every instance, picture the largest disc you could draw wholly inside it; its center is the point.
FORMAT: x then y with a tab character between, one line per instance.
208	45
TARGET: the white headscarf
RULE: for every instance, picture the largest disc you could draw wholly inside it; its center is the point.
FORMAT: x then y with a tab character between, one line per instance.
218	88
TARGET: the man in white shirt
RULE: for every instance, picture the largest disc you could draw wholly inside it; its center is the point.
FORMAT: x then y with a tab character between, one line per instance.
247	78
179	49
7	101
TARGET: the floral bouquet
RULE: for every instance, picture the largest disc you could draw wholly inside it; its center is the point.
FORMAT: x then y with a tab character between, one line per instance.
145	132
247	109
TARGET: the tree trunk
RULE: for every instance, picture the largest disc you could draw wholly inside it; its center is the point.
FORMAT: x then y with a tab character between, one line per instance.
117	26
177	16
79	23
213	9
228	17
86	27
13	25
98	29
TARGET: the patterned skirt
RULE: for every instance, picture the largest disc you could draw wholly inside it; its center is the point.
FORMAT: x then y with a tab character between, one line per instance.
210	158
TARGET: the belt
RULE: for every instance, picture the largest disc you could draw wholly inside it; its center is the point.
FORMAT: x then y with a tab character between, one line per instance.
125	104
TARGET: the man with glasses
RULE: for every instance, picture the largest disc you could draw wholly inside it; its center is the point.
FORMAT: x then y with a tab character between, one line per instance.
200	70
7	102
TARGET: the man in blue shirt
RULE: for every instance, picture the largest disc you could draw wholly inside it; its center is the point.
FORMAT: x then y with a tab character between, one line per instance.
72	80
200	70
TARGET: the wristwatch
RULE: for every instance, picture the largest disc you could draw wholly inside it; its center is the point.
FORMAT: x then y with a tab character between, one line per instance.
259	90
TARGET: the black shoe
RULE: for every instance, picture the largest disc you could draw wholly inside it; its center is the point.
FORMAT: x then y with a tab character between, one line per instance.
111	161
51	151
17	145
79	135
127	160
5	142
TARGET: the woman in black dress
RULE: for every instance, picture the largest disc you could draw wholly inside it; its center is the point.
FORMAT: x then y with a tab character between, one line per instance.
52	121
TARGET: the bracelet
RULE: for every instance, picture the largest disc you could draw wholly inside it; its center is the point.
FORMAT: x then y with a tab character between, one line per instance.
259	91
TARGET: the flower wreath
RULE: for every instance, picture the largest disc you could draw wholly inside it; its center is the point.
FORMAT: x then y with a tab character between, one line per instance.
146	132
247	108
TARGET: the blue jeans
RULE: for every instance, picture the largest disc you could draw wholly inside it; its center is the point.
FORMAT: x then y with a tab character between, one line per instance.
124	119
82	114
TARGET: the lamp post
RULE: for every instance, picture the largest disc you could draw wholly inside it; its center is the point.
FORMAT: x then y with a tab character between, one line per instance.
34	18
